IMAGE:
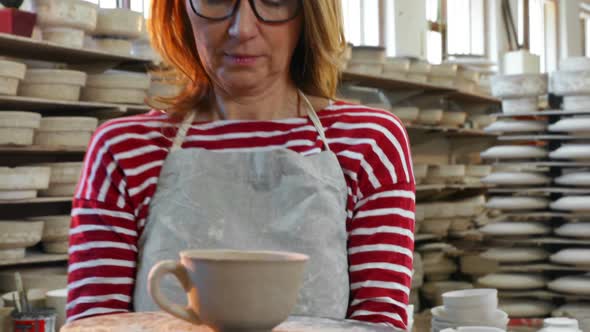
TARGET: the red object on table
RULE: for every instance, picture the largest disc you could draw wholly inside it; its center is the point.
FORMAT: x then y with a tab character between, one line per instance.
17	22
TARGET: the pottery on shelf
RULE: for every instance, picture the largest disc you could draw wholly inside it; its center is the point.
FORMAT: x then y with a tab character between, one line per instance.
55	84
517	152
430	117
575	179
515	229
119	22
571	83
406	114
571	285
66	131
516	179
578	257
20	234
516	203
453	119
11	73
75	14
516	255
577	63
574	230
576	103
520	105
572	125
572	203
516	126
572	152
513	281
67	37
519	86
18	128
524	308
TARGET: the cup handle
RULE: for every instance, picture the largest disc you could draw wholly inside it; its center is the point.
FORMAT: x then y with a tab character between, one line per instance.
179	271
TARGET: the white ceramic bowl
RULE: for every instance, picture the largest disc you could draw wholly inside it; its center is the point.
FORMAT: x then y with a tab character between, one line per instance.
515	255
575	230
24	178
572	125
76	14
487	299
578	257
516	179
516	152
513	281
56	228
469	316
516	203
572	203
515	229
20	234
572	285
12	69
519	126
406	114
572	151
74	123
453	119
368	53
119	22
114	95
116	46
519	86
578	179
431	116
64	36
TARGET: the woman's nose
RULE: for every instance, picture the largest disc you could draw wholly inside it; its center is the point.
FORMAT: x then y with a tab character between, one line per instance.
243	24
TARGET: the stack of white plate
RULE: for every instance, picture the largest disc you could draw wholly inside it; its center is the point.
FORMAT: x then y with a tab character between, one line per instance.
472	307
116	29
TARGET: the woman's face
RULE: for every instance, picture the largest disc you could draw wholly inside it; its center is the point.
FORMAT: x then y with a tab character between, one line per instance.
242	53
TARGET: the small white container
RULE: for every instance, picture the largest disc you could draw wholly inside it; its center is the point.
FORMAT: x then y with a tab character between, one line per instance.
20	234
431	117
53	84
58	299
10	74
64	36
76	14
115	79
114	95
453	119
18	128
116	46
119	22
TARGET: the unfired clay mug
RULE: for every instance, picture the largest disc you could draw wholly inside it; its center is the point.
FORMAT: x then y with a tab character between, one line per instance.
246	291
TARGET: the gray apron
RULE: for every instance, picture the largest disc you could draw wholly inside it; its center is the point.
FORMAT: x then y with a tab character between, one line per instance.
259	200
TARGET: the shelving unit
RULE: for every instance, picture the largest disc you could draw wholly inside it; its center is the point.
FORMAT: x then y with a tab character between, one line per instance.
83	59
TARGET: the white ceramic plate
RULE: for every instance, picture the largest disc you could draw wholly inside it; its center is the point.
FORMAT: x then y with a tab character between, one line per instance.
516	179
572	257
571	83
575	230
572	125
514	203
516	126
581	179
513	281
514	152
572	203
515	255
526	308
572	285
572	151
516	229
576	103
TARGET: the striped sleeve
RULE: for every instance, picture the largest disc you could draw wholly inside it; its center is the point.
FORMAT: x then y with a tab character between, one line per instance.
103	239
381	231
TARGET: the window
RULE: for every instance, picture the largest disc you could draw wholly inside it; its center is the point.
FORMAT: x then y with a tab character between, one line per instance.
542	31
142	6
361	21
457	27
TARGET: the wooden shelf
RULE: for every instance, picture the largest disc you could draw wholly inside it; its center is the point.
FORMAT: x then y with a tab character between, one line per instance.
38	200
441	187
38	149
35	258
21	47
541	294
547	215
541	113
38	104
382	82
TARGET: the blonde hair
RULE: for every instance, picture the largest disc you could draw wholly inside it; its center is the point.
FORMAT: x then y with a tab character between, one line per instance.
314	68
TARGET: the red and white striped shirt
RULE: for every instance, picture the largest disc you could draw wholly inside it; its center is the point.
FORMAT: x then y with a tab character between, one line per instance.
120	176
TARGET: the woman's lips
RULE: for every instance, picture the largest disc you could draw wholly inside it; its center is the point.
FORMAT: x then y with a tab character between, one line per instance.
241	59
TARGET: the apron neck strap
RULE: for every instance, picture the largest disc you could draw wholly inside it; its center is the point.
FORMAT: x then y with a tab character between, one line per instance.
311	113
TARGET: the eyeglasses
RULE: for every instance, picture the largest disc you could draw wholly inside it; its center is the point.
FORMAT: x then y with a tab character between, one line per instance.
268	11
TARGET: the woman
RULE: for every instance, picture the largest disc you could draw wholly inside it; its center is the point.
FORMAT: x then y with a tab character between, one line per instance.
253	154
